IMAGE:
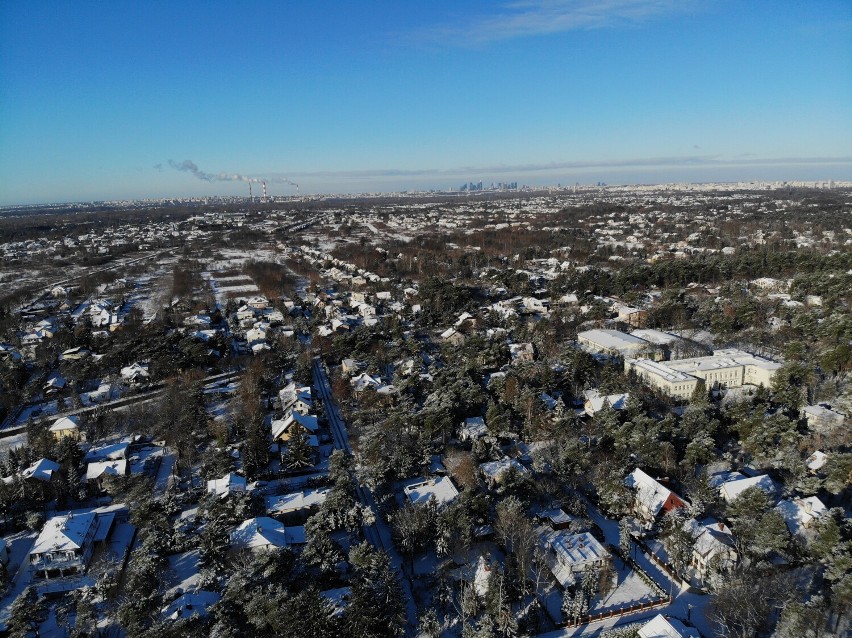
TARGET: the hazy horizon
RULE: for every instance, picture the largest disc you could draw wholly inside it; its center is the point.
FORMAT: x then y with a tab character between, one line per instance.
109	101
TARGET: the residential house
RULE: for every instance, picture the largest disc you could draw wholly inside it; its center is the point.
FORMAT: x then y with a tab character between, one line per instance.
441	489
453	337
473	428
298	504
801	514
362	381
135	374
595	401
229	484
569	555
257	303
822	417
651	498
731	490
662	627
283	429
264	533
495	472
64	545
521	352
43	470
296	398
99	471
714	546
66	426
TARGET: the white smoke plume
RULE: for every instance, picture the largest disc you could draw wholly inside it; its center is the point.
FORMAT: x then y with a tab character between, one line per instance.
188	166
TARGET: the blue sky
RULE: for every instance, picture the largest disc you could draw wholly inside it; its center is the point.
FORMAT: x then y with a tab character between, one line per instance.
97	97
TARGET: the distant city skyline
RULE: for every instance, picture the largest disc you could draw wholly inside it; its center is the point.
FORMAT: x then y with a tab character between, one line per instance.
96	99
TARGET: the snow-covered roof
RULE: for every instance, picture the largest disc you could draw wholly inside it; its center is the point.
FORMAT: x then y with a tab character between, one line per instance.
295	501
649	492
657	337
97	469
595	401
112	451
66	532
66	423
816	460
264	532
731	490
473	428
440	488
229	483
577	549
711	536
191	604
800	513
661	627
496	469
612	339
41	470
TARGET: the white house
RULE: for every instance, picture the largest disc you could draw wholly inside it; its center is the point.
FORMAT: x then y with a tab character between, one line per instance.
66	426
64	545
263	533
295	502
441	489
595	401
569	554
714	546
731	490
661	627
229	484
801	514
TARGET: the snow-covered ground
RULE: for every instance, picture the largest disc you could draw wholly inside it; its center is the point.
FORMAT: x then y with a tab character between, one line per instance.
686	606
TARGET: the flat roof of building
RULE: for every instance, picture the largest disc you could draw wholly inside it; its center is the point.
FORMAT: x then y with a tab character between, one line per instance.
614	339
662	370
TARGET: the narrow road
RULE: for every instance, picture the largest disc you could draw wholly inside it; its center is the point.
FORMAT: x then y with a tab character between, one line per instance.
146	396
378	534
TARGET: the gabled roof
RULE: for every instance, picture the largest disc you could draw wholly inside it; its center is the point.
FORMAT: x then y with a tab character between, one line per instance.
106	468
801	512
66	423
41	470
64	533
308	421
649	492
661	627
731	490
295	501
262	531
710	536
229	483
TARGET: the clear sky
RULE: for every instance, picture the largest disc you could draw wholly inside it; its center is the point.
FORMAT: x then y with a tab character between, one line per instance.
97	97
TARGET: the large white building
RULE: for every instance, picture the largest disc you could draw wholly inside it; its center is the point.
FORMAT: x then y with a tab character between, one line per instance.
729	368
725	368
662	377
613	342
